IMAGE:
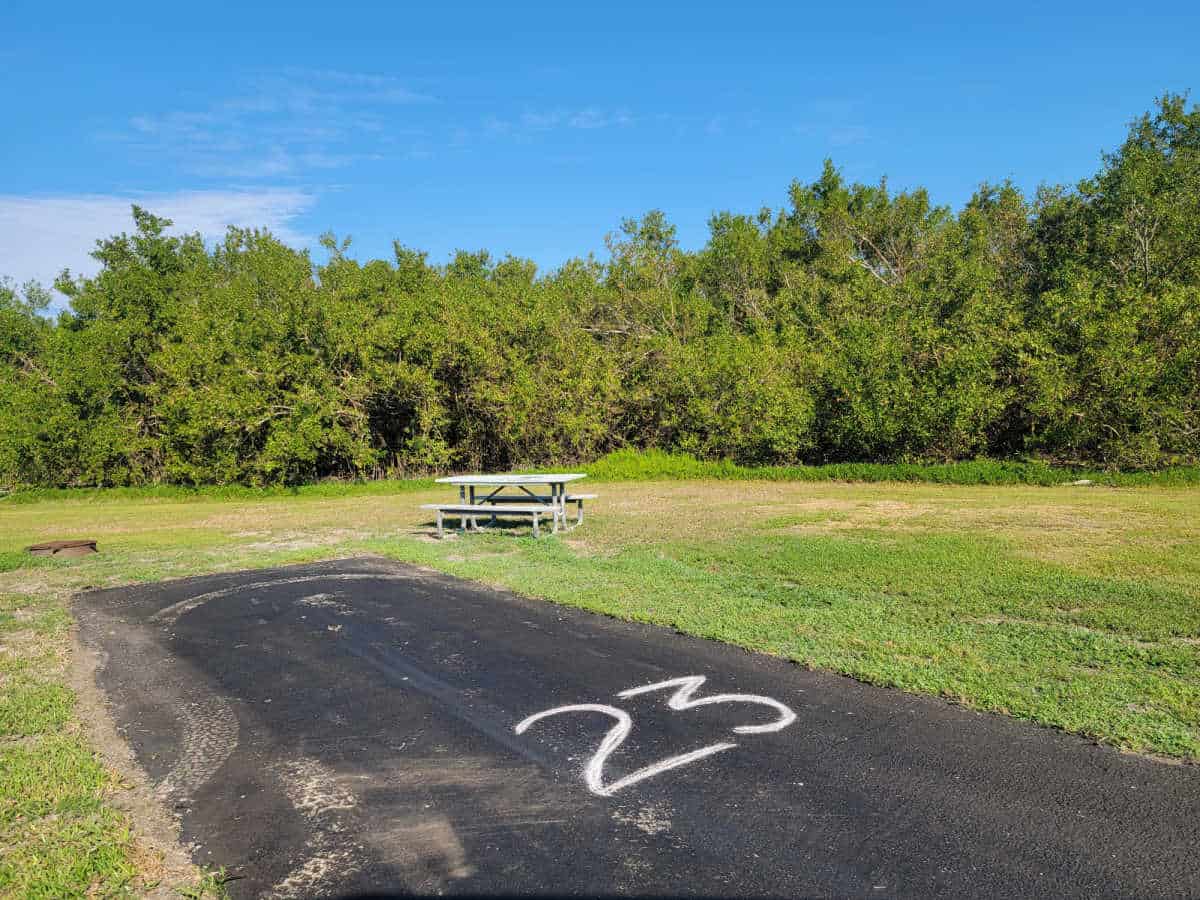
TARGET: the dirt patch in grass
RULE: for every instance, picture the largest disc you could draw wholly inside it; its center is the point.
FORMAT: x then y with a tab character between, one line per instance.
307	541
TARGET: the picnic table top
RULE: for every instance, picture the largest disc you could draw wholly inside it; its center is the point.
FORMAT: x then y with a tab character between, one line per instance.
551	478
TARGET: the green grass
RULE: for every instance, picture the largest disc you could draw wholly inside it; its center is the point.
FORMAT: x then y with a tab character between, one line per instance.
209	884
655	465
1071	607
651	465
58	834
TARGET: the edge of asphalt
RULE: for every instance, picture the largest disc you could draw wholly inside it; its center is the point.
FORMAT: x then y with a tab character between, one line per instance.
160	854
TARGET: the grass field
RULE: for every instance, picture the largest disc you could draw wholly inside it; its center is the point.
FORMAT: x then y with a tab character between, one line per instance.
1073	607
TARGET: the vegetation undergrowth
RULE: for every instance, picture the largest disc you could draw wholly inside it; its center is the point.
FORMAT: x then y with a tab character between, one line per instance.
653	465
233	492
646	465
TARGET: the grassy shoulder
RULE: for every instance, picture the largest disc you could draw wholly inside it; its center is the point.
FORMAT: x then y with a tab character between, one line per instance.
59	834
1073	607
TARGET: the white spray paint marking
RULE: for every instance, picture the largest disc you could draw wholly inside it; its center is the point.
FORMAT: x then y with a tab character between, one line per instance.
169	615
689	684
593	772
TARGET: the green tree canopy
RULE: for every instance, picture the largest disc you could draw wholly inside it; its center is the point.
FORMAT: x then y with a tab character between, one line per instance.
855	323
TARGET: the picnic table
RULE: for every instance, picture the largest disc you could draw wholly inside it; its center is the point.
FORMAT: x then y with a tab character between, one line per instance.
510	494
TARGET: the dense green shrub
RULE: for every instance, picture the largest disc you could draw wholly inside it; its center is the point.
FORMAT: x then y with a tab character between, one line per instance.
853	334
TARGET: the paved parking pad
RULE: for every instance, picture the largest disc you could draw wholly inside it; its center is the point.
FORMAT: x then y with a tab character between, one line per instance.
362	727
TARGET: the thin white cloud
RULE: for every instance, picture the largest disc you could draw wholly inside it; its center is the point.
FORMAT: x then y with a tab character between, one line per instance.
39	236
539	121
596	118
838	122
532	121
361	87
283	124
846	135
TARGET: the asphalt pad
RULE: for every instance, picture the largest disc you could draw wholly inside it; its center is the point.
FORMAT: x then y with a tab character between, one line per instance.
365	728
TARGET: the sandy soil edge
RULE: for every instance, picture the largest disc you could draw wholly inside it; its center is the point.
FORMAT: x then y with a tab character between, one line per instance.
159	854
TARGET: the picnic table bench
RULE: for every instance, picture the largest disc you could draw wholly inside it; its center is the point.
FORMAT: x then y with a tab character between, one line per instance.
471	507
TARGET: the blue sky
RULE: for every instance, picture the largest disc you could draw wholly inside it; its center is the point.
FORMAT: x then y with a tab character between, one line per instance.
533	129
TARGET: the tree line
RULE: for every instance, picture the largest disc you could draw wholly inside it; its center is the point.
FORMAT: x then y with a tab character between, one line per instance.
855	324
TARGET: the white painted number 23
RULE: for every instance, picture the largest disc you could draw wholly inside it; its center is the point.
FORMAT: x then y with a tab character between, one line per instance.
683	698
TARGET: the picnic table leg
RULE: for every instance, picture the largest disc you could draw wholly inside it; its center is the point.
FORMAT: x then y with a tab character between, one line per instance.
441	534
474	521
492	519
536	516
578	513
